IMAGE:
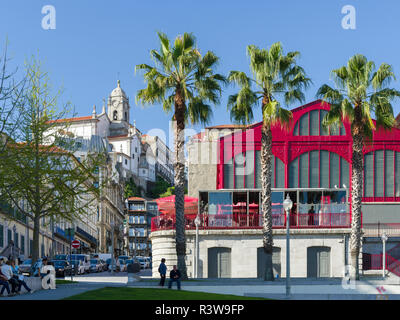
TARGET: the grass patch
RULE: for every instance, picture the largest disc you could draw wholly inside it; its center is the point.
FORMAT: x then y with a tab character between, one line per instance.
112	293
60	281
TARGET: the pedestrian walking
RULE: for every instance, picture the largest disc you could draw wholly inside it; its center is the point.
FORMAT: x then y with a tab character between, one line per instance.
162	269
174	276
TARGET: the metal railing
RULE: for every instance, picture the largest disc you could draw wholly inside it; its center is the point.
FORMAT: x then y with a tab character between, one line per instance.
255	221
374	262
378	229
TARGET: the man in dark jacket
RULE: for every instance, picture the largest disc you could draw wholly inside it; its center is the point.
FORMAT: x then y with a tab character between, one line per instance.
162	269
175	275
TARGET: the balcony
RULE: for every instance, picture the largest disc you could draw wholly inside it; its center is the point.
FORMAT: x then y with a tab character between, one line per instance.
255	221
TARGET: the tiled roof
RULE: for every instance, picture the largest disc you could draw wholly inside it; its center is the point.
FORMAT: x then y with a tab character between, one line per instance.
136	199
116	137
72	119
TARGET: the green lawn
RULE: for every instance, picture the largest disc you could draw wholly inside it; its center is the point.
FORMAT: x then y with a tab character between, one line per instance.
110	293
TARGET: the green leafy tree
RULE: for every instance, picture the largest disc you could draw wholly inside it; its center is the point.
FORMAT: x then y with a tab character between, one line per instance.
40	179
183	81
274	76
131	189
360	92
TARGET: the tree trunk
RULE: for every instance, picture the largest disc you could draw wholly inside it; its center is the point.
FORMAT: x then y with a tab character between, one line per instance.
179	180
356	193
266	156
36	239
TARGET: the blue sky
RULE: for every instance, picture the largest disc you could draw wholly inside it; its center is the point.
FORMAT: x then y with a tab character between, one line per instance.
97	42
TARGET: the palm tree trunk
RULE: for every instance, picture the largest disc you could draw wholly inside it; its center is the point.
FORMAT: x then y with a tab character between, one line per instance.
356	194
266	155
179	180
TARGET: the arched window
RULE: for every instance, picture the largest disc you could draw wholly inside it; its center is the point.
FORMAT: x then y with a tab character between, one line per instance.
115	115
310	124
319	169
244	171
382	174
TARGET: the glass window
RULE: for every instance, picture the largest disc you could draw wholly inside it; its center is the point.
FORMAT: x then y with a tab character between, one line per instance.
258	169
228	175
296	129
323	131
239	171
389	173
249	169
314	169
324	155
378	173
293	174
303	183
278	218
369	174
334	172
280	173
220	203
397	168
314	123
342	130
344	173
304	125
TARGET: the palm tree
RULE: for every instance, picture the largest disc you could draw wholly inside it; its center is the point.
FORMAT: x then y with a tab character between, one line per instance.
360	92
184	81
274	75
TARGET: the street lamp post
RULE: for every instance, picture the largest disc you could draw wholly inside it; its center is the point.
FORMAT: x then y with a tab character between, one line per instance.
287	205
384	238
196	260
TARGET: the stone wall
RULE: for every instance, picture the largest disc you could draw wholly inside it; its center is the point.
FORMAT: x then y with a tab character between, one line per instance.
244	244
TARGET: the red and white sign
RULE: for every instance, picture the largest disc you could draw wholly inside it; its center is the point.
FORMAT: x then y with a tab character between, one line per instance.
76	244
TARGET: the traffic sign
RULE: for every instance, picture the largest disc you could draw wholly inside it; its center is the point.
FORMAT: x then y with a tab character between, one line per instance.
76	244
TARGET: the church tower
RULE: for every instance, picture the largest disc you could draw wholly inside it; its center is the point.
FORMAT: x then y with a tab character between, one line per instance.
118	111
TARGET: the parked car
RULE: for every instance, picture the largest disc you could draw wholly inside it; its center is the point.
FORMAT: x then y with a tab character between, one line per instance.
116	268
142	262
62	267
25	267
123	265
124	257
85	258
95	265
147	260
77	267
61	257
104	265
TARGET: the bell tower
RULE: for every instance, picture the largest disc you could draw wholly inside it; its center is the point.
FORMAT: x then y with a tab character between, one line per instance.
118	111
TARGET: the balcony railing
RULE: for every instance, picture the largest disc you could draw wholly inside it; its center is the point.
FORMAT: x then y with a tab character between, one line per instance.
255	221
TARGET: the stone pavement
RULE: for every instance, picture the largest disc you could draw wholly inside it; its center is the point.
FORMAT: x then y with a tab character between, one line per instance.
301	289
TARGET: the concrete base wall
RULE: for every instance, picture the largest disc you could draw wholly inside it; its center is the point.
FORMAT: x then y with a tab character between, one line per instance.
35	283
244	244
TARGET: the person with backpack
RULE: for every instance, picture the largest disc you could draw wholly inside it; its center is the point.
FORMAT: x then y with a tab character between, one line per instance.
162	269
